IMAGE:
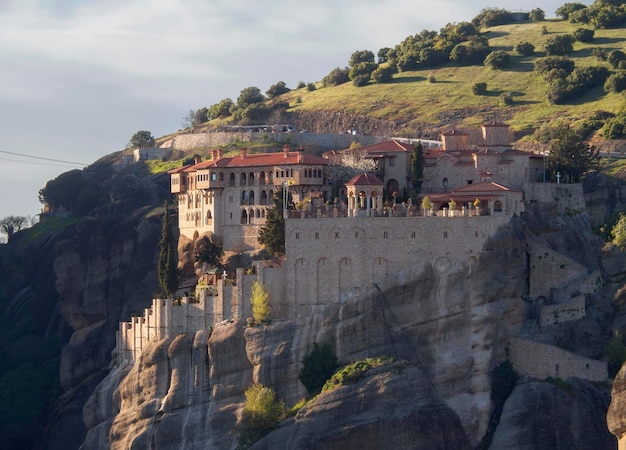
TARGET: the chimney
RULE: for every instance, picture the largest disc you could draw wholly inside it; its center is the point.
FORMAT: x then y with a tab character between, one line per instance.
242	152
286	150
197	160
213	155
220	153
300	153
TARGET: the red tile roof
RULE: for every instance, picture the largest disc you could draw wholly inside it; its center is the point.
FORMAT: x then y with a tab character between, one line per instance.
391	146
259	160
365	179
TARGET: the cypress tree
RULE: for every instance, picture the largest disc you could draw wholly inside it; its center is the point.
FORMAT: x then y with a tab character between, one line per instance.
417	170
166	267
272	234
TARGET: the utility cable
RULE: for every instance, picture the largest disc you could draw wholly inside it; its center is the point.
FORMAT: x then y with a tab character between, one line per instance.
41	157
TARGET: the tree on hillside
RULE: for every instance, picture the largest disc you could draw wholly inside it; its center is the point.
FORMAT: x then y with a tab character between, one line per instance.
261	414
618	232
166	266
248	96
261	308
383	54
570	157
566	9
417	171
141	139
537	15
561	44
336	77
272	234
12	224
498	60
361	56
64	191
221	109
277	89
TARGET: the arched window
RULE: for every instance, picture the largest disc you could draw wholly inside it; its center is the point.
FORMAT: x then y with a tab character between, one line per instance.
263	198
244	217
262	178
251	198
231	180
244	198
242	179
251	178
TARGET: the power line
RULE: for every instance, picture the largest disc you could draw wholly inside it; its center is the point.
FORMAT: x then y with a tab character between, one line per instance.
41	157
33	163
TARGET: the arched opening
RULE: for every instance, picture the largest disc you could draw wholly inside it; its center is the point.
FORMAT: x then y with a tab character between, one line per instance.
242	179
497	206
251	198
393	186
263	198
251	178
262	177
231	180
244	198
244	217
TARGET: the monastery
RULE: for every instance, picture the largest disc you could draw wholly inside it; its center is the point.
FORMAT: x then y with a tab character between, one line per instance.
338	251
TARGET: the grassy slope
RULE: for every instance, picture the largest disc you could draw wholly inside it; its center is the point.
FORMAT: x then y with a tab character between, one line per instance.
410	98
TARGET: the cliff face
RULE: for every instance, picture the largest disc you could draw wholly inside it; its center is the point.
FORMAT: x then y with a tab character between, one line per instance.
449	326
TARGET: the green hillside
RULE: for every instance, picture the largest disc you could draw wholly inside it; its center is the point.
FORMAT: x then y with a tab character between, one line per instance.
442	97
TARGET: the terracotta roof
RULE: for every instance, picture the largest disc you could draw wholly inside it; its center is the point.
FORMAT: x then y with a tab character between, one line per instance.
179	169
391	146
482	187
259	160
365	179
454	133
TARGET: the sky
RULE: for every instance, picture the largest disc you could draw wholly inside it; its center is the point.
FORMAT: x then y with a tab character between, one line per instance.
80	77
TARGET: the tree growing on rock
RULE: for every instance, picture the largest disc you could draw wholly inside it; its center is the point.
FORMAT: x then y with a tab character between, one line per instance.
570	157
142	139
261	309
261	414
166	267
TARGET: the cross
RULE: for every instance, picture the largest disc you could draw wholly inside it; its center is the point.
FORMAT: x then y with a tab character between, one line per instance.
558	177
224	275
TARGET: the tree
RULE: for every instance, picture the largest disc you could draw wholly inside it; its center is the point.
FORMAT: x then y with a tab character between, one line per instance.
272	234
479	88
570	156
383	55
524	48
12	224
537	15
317	367
207	252
618	232
383	74
566	9
261	309
141	139
248	96
221	109
616	82
64	191
277	89
361	56
261	414
561	44
616	57
336	77
167	272
417	170
583	35
498	59
362	69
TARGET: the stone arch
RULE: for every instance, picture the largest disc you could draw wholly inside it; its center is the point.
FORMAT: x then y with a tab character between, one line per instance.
357	233
244	217
251	178
262	177
242	179
257	213
244	198
231	179
263	200
251	197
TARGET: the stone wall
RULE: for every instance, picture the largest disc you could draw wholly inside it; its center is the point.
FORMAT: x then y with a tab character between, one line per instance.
205	141
541	361
562	312
569	197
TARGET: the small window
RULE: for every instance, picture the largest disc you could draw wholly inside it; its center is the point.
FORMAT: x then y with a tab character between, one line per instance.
356	234
413	234
445	234
385	234
336	234
317	235
297	235
214	177
392	162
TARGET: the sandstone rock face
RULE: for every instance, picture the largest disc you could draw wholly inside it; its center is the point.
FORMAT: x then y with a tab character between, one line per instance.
616	416
393	408
544	415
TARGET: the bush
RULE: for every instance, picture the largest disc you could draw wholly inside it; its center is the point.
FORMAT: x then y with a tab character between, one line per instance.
561	44
310	87
383	74
479	88
498	60
261	414
317	367
261	309
336	77
583	35
361	80
544	65
616	82
506	99
432	78
619	232
300	85
524	48
616	57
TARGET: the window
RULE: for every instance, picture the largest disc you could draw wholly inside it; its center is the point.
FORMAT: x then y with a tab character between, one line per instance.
445	234
413	234
392	162
385	234
317	235
297	235
336	234
214	176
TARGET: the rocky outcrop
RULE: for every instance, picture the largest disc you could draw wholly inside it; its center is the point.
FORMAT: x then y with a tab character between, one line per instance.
556	415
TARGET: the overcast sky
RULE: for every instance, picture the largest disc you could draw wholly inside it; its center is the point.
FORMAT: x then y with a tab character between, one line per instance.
80	77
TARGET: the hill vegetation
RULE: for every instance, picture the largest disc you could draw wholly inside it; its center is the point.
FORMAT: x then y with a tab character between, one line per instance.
495	67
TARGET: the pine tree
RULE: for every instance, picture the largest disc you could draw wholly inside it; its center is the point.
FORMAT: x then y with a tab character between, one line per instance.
272	234
166	267
417	171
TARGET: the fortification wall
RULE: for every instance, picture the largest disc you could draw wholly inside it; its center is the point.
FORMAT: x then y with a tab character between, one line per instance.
573	309
569	197
542	361
205	141
332	259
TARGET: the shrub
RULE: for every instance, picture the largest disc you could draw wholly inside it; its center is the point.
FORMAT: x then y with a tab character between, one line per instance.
300	85
261	309
498	60
432	78
317	367
261	414
336	77
310	87
619	232
547	64
383	74
361	80
479	88
506	99
616	57
616	82
524	48
353	372
561	44
583	35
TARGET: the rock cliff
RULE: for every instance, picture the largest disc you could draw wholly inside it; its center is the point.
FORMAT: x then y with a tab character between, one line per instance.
449	326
